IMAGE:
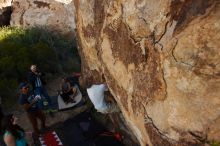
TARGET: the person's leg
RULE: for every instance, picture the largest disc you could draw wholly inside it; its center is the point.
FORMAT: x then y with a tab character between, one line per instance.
70	95
74	90
65	97
42	118
33	120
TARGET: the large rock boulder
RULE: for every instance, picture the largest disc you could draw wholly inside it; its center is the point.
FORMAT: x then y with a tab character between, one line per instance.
161	61
55	15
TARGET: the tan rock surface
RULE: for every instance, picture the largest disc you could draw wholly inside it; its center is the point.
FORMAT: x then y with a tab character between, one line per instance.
55	15
161	62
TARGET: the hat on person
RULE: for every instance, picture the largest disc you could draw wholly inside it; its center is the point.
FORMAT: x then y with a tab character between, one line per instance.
22	85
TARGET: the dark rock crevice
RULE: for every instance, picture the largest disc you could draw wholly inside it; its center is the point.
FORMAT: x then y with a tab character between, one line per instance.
5	16
185	11
160	139
41	4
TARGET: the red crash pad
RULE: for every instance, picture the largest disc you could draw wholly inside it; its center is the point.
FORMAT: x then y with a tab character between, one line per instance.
50	139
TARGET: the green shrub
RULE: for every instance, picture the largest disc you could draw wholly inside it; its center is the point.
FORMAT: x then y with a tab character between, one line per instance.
19	48
214	143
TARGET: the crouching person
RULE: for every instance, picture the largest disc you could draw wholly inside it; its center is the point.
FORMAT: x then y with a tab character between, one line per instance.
29	103
102	99
68	92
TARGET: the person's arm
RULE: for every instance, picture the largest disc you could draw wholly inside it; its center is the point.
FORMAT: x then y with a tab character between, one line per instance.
30	77
9	140
27	106
69	86
109	97
42	77
105	87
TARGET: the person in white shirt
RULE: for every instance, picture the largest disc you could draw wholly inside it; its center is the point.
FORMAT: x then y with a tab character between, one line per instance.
101	102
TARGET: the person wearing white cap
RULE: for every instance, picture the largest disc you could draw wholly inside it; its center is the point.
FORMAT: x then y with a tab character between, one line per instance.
35	79
102	100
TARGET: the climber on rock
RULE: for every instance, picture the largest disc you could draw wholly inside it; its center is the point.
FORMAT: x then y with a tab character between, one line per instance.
102	99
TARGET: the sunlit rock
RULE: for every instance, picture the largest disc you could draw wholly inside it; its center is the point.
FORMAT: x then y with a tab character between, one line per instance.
57	16
160	60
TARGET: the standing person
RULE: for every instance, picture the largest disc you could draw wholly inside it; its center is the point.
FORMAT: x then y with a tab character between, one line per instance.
13	133
35	79
29	103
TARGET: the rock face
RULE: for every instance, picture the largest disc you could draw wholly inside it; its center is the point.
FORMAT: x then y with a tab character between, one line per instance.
5	3
161	61
5	12
55	15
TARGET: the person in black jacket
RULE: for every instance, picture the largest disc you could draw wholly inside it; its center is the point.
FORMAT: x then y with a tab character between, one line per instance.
37	82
